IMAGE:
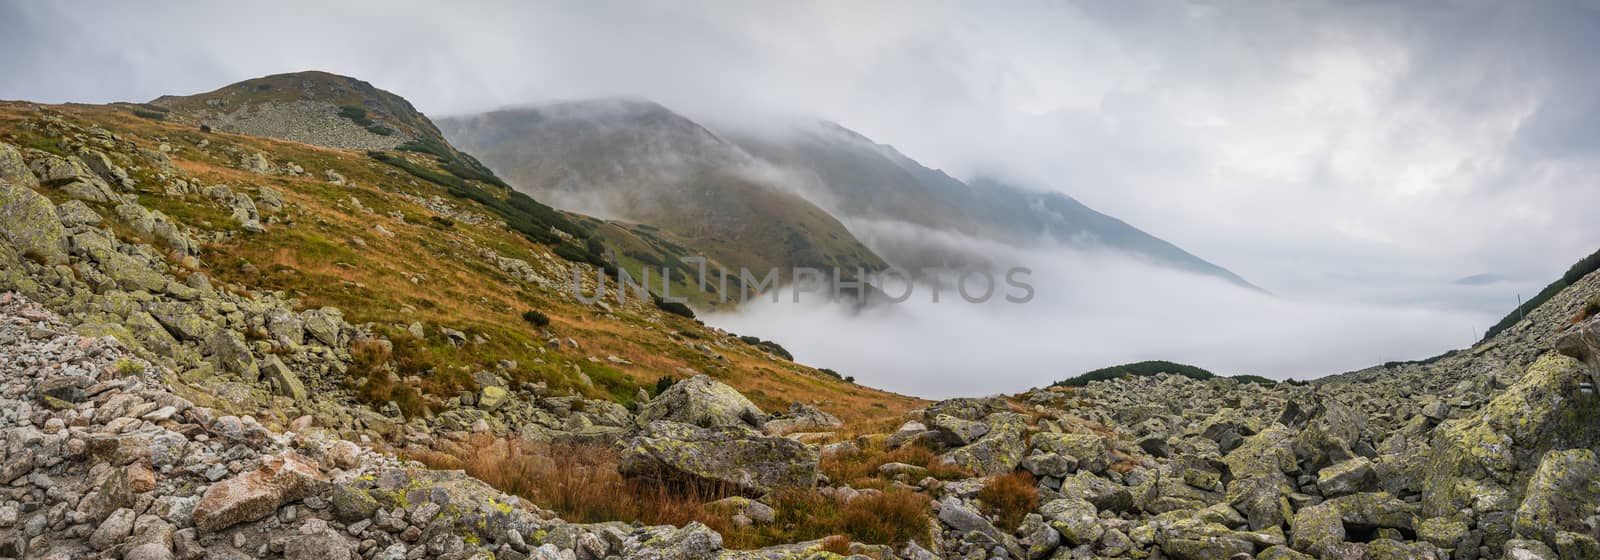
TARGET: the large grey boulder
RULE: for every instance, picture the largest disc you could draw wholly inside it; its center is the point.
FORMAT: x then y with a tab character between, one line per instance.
999	451
1561	501
732	458
704	402
27	219
1321	529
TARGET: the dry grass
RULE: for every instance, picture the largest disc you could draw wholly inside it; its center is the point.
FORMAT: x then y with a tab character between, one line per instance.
860	469
837	544
581	483
1009	498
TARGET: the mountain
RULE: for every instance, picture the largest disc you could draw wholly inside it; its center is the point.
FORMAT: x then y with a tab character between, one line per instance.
641	162
312	107
636	161
859	179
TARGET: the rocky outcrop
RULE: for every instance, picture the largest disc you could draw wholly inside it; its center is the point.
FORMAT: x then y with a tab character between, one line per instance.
704	402
732	458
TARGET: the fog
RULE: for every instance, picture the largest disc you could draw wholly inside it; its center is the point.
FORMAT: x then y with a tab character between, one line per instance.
1091	309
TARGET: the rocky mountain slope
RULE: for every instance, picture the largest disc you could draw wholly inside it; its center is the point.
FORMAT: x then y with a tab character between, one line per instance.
226	346
639	162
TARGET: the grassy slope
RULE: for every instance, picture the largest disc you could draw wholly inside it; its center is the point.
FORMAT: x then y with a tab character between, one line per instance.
313	261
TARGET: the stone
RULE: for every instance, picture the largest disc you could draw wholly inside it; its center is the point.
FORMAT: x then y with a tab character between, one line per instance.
1092	451
704	402
1320	529
27	219
999	451
229	349
751	464
955	432
1348	477
1052	465
113	529
282	479
282	379
491	398
1562	496
1075	519
739	505
1104	494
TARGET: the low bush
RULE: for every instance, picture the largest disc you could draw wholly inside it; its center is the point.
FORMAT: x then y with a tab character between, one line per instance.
673	307
535	318
894	517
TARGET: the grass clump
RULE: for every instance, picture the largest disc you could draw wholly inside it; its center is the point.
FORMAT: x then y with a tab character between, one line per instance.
1009	498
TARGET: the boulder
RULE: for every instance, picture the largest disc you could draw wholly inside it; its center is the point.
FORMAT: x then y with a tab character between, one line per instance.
704	402
1561	501
1349	477
1092	451
230	352
955	432
998	451
1104	494
1322	529
282	379
732	458
27	219
282	479
1076	519
802	418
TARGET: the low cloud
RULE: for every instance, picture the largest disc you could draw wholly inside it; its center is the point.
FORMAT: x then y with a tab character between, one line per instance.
1092	309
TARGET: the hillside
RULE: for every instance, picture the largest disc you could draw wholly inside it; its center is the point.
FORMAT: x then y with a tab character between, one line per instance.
638	162
858	179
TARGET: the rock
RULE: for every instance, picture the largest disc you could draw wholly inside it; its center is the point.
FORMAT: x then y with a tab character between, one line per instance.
228	348
492	397
351	504
1261	485
1092	451
955	432
739	505
1193	539
28	219
13	170
906	432
282	479
1038	537
1443	532
1052	465
326	325
998	451
282	379
1320	529
113	529
1076	519
1104	494
693	542
316	541
1349	477
704	402
1562	497
75	213
750	464
802	418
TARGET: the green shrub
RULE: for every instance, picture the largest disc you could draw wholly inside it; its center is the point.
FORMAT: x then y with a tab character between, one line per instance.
535	318
1141	369
769	347
673	307
148	114
520	212
663	383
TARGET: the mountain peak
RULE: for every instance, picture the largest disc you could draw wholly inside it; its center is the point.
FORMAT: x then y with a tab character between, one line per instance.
313	107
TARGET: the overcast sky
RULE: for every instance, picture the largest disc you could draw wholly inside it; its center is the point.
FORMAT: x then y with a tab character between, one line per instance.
1329	152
